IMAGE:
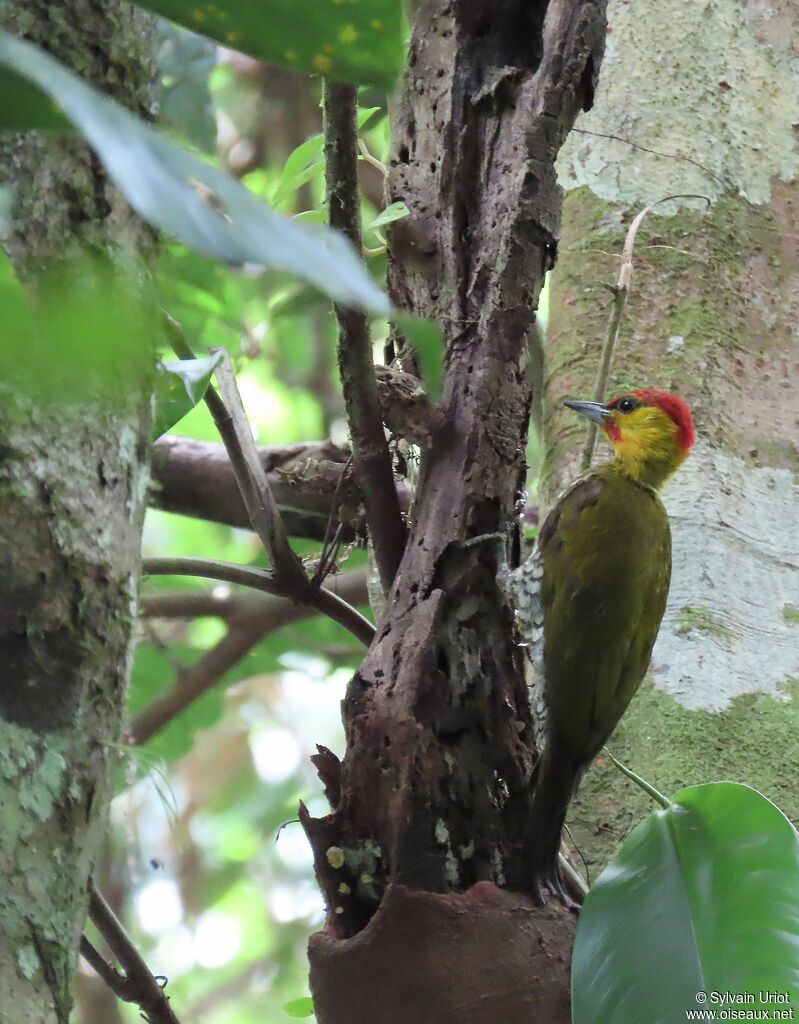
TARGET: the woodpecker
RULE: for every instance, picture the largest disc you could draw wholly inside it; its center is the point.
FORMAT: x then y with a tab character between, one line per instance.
590	599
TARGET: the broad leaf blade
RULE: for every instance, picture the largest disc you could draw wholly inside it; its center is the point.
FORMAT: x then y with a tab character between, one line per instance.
180	385
701	897
360	42
197	204
396	211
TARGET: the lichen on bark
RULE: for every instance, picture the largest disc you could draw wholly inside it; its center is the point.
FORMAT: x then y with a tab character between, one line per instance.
712	315
73	477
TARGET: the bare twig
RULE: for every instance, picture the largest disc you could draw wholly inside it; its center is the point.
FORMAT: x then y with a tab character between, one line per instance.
234	429
620	292
321	599
255	618
195	478
289	579
261	508
180	604
356	365
575	883
363	149
137	985
726	185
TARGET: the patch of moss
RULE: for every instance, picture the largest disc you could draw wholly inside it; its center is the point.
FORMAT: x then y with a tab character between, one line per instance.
790	614
697	617
753	741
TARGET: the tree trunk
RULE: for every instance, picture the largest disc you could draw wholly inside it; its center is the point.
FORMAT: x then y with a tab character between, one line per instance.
712	316
73	479
431	804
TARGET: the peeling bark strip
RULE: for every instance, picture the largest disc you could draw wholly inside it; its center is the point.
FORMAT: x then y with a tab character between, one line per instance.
435	784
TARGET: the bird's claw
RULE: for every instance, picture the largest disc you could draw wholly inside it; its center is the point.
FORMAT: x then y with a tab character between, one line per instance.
548	884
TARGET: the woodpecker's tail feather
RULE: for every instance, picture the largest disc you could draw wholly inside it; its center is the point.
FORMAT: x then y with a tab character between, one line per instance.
557	778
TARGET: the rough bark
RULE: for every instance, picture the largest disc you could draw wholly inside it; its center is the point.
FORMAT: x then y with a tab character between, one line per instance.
310	481
712	316
195	478
72	488
434	791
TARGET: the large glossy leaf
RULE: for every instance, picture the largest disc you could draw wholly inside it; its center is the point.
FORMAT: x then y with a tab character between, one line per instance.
357	41
197	204
702	897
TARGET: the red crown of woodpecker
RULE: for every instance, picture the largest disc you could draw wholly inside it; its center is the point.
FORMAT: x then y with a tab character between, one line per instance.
676	409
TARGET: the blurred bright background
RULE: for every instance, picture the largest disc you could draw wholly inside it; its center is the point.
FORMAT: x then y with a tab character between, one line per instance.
205	863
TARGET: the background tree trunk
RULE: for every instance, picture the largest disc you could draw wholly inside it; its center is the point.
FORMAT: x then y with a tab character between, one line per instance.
73	480
431	804
712	316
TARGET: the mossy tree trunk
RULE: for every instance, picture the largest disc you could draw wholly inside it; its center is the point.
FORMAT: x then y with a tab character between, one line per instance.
73	480
712	316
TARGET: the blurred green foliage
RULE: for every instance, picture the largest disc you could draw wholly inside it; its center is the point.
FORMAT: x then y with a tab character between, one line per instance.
227	910
350	42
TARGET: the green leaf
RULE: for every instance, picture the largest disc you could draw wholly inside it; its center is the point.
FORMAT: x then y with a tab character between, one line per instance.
428	343
360	42
299	1007
180	385
153	673
302	165
702	897
199	205
307	153
364	114
25	108
312	216
185	61
396	211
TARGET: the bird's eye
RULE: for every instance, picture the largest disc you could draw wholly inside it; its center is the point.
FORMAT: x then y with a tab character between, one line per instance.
626	404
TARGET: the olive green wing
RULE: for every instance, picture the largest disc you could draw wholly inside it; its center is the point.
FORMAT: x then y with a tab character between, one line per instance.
606	555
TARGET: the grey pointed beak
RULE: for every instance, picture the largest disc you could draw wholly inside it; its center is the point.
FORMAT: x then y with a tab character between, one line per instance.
593	410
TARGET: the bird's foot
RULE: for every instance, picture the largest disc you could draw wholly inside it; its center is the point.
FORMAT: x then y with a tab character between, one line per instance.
499	541
547	884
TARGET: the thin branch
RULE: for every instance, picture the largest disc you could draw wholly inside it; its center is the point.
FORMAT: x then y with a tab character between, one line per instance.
620	292
356	364
195	478
726	185
575	883
363	149
321	599
117	982
234	429
255	618
289	579
138	985
197	679
180	604
261	507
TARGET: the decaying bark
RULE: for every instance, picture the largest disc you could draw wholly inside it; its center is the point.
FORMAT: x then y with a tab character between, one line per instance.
73	471
434	791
